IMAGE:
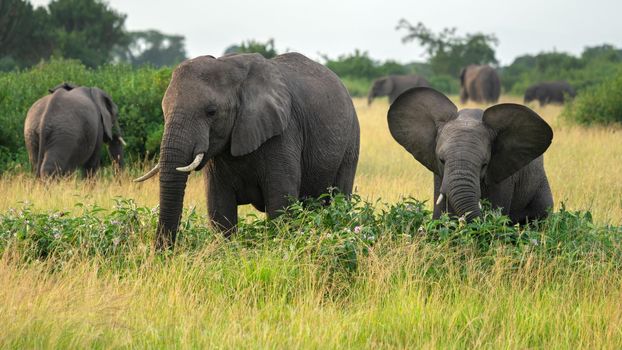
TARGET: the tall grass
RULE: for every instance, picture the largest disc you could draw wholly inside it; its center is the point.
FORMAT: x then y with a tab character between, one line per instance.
353	275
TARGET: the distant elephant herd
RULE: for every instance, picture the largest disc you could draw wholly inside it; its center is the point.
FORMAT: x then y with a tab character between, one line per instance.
266	130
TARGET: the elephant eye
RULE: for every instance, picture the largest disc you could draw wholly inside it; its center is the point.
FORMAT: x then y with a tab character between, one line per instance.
211	111
484	166
442	161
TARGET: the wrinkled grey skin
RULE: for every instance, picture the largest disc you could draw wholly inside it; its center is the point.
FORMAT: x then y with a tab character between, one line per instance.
269	129
394	85
479	84
495	154
549	92
65	130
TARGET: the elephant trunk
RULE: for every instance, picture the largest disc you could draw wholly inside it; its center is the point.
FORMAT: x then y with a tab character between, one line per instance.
175	151
463	190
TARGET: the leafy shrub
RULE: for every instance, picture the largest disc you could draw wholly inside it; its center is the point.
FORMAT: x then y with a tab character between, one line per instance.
137	92
337	234
601	104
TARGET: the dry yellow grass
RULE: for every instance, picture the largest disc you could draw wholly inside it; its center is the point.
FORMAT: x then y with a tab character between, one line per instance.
584	166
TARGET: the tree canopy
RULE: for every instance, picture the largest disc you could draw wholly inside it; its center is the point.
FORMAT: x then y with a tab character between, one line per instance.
448	52
87	30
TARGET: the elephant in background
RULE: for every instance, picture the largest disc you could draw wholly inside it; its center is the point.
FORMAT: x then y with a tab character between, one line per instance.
65	130
264	129
394	85
549	92
493	154
479	84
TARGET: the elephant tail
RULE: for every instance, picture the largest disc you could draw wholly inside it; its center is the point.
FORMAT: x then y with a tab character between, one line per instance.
41	150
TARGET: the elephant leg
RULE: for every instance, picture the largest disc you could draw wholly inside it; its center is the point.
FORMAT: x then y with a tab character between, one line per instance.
344	181
538	207
281	184
92	164
222	207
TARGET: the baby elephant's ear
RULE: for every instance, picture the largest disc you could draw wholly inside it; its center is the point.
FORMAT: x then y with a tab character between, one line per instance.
414	119
520	136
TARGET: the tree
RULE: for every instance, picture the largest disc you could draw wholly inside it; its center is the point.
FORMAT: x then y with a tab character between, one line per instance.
266	49
87	30
25	34
448	52
152	47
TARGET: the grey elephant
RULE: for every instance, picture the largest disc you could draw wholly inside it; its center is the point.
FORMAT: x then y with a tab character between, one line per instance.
66	129
264	129
493	154
549	92
479	84
394	85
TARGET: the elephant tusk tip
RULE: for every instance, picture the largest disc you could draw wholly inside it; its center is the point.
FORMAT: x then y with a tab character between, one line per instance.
122	141
440	199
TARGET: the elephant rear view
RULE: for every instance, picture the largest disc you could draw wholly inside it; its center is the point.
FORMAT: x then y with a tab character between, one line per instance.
66	129
479	84
394	85
265	130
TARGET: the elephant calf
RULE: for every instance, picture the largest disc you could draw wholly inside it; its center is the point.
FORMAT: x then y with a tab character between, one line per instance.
495	154
549	92
66	129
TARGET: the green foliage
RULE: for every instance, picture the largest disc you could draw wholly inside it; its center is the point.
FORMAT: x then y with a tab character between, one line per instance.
337	234
152	47
594	66
26	35
448	53
137	92
358	71
600	104
266	49
87	30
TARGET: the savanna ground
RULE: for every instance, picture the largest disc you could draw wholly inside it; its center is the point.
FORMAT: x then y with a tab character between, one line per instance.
279	293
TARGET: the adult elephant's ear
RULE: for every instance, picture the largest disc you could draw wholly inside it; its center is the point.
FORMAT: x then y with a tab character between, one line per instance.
107	109
265	106
520	136
414	119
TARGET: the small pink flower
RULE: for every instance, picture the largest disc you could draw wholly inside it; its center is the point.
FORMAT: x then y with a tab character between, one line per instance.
357	229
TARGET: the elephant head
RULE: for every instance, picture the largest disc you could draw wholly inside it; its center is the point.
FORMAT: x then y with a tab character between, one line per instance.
380	87
530	94
109	113
230	105
470	148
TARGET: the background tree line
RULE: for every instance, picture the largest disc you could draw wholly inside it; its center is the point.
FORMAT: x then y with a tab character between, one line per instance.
86	30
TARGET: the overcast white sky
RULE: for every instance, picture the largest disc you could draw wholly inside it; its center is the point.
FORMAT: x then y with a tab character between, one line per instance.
335	27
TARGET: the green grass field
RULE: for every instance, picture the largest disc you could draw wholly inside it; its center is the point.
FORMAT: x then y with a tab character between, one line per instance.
296	289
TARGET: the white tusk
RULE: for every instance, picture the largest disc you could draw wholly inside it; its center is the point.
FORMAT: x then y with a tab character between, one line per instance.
149	174
122	141
195	163
480	205
440	199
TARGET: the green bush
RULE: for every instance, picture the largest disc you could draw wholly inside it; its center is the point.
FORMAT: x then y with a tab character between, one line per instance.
601	104
137	92
337	234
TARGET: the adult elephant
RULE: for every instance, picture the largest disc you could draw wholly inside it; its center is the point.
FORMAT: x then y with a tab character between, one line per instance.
495	154
479	84
549	92
264	129
394	85
66	129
